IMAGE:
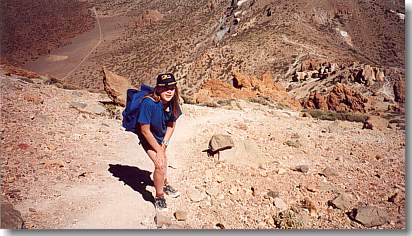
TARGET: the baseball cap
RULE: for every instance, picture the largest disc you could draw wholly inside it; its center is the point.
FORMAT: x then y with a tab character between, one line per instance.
165	79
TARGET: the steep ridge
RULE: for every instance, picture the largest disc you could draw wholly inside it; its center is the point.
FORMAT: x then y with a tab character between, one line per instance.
211	39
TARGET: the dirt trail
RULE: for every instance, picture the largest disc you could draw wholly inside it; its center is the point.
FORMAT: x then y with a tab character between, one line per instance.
112	203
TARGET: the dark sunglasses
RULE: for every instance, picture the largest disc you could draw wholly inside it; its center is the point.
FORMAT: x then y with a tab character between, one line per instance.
167	87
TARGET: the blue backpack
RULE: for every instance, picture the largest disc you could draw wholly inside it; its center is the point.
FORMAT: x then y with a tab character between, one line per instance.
131	111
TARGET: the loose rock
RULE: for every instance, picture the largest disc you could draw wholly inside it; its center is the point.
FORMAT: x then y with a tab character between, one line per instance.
328	172
295	144
302	168
162	220
195	195
371	216
280	204
180	215
344	201
220	142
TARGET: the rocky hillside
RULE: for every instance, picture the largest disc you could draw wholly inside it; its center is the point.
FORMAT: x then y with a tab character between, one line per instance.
310	95
212	39
66	163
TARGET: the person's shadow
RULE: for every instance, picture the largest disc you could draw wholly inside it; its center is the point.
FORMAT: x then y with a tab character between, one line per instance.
136	178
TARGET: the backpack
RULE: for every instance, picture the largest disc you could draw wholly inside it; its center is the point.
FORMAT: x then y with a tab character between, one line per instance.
131	111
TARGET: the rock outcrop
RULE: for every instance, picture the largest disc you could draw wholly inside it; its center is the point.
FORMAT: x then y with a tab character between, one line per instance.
248	88
341	99
116	87
399	91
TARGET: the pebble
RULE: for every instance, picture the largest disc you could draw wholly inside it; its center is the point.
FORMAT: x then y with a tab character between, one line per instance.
280	204
344	201
195	195
302	168
180	215
219	179
281	171
162	220
272	194
328	172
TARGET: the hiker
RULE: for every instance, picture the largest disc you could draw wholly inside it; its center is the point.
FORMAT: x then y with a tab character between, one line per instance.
156	122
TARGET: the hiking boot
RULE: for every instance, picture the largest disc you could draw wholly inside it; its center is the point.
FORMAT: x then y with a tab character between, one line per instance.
160	203
169	190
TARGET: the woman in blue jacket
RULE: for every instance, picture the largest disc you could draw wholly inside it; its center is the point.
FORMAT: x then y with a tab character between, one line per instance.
156	123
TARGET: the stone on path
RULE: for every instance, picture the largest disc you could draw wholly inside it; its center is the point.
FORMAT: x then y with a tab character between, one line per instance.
220	142
162	220
375	123
280	204
195	195
328	172
344	201
371	216
180	215
273	194
302	168
89	108
295	144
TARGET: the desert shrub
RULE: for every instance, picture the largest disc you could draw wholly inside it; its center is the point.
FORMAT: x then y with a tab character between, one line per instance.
114	111
287	220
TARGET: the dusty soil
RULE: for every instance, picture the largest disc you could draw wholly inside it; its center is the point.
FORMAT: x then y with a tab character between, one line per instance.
68	165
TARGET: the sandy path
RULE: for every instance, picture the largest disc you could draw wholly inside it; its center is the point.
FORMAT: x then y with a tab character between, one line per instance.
116	204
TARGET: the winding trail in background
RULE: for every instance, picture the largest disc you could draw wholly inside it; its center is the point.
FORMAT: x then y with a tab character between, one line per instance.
90	52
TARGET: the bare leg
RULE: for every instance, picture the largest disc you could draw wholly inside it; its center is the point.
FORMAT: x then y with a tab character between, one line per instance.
165	170
158	174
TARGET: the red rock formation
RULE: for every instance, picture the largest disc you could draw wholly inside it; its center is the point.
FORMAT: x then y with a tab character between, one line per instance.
344	99
341	98
245	87
316	101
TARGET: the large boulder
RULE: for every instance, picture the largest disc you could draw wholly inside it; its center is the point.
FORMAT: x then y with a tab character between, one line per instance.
220	142
10	217
244	153
116	87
